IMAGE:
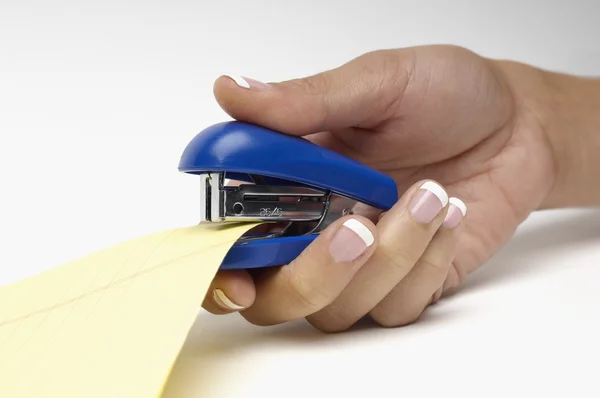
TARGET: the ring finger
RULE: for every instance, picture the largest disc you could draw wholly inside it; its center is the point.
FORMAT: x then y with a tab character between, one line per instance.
405	303
405	232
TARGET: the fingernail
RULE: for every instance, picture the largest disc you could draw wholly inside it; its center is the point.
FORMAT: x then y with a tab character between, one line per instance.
222	300
246	82
350	241
456	211
428	202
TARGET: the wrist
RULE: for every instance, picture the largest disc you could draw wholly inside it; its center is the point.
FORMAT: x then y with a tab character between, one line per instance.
572	123
567	109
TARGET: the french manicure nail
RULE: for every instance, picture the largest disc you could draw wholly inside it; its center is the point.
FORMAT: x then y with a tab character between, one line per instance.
246	82
222	300
429	200
350	241
456	212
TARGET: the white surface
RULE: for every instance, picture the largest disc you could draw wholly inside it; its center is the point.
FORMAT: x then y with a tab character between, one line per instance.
98	99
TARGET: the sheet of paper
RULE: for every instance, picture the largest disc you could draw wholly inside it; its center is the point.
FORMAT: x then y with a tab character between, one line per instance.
110	324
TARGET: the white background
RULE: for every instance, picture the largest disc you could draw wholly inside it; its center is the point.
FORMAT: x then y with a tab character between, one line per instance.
98	99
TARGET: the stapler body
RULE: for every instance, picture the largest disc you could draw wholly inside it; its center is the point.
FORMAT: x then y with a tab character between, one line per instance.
296	187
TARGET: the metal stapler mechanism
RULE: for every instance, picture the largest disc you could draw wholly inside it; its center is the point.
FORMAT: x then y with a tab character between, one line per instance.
295	187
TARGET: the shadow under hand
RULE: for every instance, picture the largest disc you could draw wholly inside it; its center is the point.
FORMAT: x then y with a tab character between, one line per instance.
546	235
219	347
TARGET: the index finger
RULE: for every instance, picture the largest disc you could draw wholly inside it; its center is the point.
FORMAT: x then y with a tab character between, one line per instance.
316	277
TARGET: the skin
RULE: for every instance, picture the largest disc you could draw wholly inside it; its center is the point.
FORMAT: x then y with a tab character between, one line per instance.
506	138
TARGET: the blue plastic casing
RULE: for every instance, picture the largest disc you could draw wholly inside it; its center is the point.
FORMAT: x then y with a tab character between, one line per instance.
239	149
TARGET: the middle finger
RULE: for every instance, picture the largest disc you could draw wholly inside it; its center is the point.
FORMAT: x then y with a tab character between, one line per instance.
404	234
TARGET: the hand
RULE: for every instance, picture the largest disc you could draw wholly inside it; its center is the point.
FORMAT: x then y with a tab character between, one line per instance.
434	113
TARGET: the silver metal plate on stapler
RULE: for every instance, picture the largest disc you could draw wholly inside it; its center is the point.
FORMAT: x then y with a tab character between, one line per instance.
247	202
305	210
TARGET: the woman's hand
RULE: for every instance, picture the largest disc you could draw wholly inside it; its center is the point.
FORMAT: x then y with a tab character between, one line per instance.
421	115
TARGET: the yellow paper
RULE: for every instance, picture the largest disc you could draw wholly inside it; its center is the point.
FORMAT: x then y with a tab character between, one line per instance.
110	324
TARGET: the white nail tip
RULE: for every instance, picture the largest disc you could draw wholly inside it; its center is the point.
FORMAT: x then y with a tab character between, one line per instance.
460	204
239	81
362	231
223	300
437	190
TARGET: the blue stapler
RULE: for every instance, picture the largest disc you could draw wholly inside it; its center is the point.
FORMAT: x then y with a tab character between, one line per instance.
296	187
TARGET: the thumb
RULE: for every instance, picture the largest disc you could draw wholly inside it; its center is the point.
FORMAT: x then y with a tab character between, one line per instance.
360	93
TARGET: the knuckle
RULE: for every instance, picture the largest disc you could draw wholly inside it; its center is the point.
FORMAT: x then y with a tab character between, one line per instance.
256	320
313	85
316	87
433	265
329	326
436	296
460	274
331	319
307	292
393	71
409	319
397	256
389	320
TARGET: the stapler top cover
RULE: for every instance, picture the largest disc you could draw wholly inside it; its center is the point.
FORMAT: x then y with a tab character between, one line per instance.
239	149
